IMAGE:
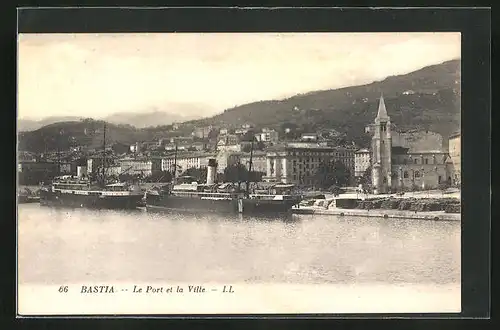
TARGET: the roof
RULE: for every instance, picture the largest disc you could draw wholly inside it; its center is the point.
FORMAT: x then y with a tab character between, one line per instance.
382	111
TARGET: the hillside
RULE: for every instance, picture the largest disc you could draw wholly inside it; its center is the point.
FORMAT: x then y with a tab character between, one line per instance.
24	125
72	133
434	105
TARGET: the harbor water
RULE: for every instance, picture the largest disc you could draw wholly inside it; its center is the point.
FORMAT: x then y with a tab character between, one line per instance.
81	246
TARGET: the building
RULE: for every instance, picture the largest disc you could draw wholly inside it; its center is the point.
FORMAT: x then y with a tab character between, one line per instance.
362	161
425	170
140	166
184	160
398	167
228	142
309	137
32	173
135	148
298	162
454	147
202	132
259	163
267	136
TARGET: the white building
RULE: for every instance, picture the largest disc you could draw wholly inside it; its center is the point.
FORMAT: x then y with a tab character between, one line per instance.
185	160
298	162
362	160
267	136
140	166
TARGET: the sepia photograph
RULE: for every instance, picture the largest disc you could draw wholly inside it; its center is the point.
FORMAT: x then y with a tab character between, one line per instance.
238	173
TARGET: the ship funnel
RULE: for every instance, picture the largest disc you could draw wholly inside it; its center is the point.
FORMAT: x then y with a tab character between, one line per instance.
81	171
211	171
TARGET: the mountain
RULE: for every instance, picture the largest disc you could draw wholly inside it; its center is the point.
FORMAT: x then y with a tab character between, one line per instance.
86	132
427	99
147	119
24	125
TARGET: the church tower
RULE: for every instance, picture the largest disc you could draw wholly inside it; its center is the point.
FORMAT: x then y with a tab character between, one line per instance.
381	151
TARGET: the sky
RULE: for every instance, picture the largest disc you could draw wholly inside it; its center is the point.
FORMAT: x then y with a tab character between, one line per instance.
95	75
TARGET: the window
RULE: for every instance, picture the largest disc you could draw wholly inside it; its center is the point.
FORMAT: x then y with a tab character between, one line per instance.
415	161
405	174
417	174
426	161
439	179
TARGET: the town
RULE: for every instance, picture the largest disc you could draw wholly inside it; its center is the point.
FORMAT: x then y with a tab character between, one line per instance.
395	161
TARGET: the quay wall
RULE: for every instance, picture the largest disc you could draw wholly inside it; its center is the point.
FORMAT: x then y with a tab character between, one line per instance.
380	213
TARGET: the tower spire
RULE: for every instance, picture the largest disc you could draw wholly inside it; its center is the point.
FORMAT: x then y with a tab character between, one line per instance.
382	112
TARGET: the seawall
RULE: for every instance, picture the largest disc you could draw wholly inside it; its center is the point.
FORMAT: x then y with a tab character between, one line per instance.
380	213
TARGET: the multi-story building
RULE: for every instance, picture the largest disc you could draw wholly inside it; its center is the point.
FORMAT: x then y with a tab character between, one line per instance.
267	136
140	166
202	132
229	142
298	162
259	163
34	172
362	161
184	160
454	147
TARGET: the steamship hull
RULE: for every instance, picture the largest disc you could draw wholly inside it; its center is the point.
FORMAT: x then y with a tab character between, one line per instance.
58	199
236	205
255	206
180	203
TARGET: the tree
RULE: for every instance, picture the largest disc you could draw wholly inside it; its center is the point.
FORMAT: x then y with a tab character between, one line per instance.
331	173
237	173
199	173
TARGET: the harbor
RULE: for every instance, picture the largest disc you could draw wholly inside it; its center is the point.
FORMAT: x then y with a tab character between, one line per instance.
86	245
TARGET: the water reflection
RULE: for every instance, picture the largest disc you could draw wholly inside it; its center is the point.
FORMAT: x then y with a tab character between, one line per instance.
61	245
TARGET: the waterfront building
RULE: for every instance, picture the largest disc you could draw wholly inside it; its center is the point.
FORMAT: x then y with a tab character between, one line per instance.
396	167
454	147
140	166
259	162
185	160
298	162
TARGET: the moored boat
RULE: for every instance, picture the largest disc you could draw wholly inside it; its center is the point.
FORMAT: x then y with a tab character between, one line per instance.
75	192
189	195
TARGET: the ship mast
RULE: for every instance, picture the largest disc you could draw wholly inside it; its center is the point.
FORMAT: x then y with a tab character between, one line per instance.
175	164
250	167
104	157
59	154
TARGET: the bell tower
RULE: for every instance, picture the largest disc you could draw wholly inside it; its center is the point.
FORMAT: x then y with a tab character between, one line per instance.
381	151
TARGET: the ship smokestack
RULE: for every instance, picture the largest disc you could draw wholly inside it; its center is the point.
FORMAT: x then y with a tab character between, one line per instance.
211	171
81	171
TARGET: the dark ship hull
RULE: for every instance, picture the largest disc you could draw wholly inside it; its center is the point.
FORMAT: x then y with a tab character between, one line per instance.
50	198
234	205
181	203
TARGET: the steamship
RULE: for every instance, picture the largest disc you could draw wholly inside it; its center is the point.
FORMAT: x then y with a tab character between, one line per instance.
80	191
186	194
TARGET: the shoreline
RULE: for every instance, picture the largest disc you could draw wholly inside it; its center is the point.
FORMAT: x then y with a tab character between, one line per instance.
380	213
